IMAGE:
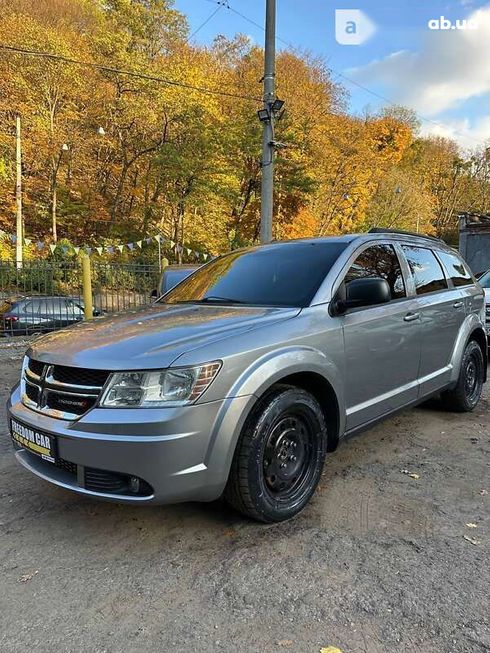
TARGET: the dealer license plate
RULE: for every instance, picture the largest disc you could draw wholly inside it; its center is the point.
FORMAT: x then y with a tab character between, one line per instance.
40	443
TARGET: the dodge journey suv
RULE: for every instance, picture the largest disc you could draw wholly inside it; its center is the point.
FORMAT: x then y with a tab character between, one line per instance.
239	380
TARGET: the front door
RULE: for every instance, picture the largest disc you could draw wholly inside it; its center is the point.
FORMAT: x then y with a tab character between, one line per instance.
382	343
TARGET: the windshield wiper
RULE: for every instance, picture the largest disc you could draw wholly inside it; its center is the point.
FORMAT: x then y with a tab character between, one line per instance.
225	300
212	299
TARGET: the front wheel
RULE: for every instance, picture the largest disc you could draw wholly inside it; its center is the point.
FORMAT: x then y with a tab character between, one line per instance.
466	395
279	456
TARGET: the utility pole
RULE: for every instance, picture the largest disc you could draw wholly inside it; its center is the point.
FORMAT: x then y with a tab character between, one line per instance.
267	192
18	195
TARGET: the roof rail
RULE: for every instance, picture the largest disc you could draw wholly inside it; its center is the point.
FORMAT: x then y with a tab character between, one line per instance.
382	230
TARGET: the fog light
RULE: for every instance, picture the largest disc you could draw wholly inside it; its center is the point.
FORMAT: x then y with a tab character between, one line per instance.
134	484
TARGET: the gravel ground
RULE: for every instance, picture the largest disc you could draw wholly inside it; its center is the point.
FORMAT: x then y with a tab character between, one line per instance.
378	563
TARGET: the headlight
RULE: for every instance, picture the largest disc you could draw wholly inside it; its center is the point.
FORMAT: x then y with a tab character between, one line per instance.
154	389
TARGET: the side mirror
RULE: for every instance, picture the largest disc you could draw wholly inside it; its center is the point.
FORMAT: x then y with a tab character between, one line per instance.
364	292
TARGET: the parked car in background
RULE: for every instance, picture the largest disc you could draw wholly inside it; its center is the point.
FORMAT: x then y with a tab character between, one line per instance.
240	379
171	276
38	314
484	281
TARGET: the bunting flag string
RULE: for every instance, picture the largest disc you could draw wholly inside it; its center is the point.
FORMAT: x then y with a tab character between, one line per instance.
111	249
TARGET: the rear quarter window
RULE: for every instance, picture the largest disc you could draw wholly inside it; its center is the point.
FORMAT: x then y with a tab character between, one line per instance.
455	268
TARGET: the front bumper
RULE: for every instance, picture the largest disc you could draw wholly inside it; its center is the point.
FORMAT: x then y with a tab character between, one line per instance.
182	454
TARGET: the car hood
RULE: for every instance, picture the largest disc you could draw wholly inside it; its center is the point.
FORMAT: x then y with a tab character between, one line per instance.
487	295
152	337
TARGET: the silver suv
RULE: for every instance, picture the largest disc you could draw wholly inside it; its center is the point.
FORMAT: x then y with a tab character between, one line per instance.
240	379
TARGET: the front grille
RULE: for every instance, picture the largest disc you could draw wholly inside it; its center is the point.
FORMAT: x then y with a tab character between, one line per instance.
61	391
66	465
79	376
70	403
36	366
32	391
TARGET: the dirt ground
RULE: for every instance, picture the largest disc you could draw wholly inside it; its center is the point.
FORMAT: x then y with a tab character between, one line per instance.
379	562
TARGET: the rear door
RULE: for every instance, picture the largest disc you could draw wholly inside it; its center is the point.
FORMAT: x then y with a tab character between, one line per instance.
382	343
442	310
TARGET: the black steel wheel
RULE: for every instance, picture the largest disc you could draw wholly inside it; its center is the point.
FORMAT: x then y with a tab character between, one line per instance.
279	457
466	395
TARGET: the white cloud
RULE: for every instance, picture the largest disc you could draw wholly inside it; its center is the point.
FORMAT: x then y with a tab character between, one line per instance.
452	66
468	134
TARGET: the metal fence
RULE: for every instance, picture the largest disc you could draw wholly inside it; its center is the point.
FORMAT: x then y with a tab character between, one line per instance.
43	296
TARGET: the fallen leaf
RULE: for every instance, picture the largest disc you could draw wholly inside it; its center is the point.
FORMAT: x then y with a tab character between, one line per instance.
483	493
411	474
471	525
285	642
471	540
330	649
25	577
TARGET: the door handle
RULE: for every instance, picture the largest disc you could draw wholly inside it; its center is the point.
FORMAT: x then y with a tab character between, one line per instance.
458	304
411	317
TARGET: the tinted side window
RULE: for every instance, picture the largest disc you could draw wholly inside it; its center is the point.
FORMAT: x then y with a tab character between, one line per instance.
455	268
426	269
379	261
32	307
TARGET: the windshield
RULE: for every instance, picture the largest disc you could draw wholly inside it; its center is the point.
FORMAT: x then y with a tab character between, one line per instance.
283	274
484	280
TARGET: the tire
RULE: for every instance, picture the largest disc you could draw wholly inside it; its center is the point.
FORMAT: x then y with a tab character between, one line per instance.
279	457
466	395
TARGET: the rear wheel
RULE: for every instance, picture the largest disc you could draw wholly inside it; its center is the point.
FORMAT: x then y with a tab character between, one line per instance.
466	395
279	456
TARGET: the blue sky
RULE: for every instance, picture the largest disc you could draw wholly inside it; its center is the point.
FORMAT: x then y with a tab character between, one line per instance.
443	75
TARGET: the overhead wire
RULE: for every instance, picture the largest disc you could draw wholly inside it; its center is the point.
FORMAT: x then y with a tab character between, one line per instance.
120	71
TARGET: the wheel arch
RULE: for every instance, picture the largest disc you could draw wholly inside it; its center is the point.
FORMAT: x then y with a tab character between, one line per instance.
320	388
471	329
479	336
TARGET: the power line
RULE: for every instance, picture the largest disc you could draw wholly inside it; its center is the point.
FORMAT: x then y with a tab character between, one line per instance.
339	74
204	23
119	71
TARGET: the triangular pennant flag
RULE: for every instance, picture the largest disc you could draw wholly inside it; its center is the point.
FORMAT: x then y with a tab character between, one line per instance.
88	250
120	247
40	245
52	247
13	238
99	250
139	243
77	249
110	249
157	238
131	246
189	251
205	256
147	241
27	241
171	243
